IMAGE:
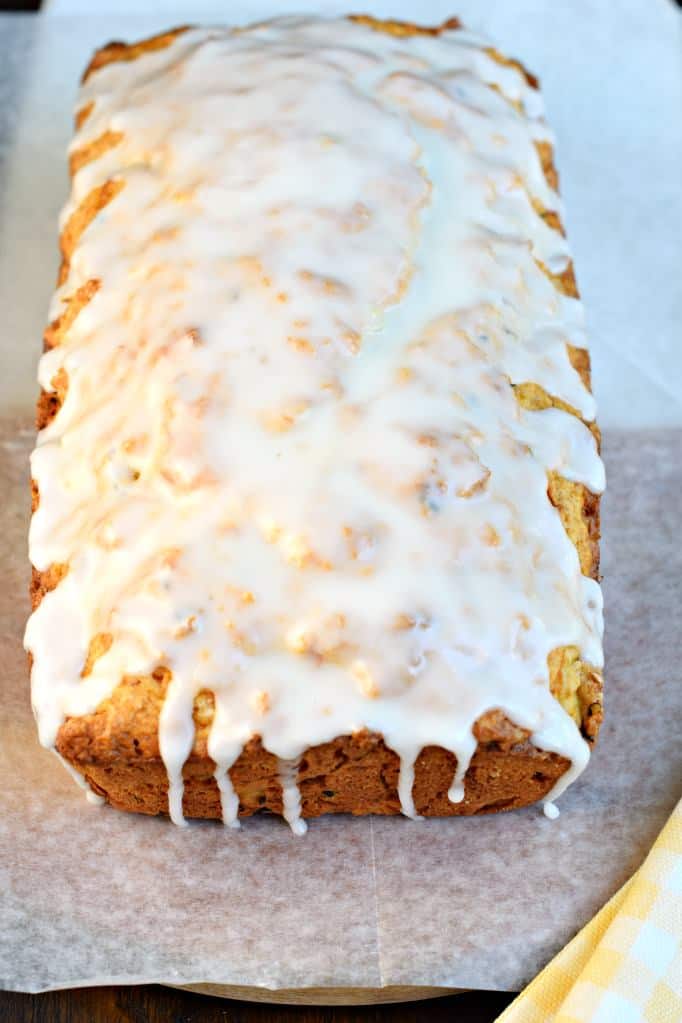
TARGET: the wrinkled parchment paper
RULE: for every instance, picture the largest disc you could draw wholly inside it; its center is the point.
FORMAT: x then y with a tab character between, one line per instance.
92	896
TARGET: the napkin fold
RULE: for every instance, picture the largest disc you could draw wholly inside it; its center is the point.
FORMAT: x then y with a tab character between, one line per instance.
625	966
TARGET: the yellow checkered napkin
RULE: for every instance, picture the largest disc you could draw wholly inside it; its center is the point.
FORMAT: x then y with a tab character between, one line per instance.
625	966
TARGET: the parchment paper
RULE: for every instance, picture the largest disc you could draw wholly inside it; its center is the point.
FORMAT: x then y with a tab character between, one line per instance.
91	896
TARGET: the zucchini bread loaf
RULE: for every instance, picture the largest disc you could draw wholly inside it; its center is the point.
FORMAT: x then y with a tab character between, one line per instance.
316	509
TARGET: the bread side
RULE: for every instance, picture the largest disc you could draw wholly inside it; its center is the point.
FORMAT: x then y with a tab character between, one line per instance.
116	748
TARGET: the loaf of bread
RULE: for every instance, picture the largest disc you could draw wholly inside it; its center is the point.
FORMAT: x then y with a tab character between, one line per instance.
316	487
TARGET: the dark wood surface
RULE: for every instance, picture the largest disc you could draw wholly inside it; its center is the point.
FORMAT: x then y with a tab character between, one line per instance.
19	5
163	1005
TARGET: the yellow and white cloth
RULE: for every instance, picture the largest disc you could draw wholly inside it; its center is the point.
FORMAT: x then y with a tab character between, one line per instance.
625	966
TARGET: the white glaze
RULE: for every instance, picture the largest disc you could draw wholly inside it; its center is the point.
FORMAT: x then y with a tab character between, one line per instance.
290	465
91	796
552	812
291	796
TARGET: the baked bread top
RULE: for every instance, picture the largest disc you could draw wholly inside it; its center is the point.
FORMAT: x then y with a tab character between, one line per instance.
318	437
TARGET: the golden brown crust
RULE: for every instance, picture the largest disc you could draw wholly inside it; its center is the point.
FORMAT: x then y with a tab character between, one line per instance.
116	747
117	51
117	750
393	27
56	330
355	774
43	582
579	511
94	201
93	150
125	726
500	58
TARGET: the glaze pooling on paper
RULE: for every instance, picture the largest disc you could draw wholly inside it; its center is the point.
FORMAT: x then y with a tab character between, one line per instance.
290	465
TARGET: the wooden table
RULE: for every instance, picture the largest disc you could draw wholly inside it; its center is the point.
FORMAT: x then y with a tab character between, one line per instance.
155	1004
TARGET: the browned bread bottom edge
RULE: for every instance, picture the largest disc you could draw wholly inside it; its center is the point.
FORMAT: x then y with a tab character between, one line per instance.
356	774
